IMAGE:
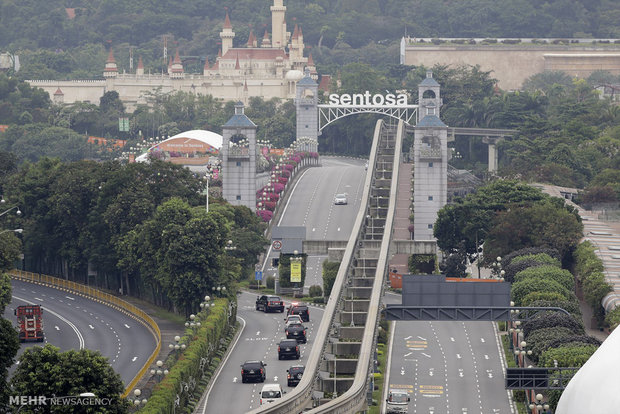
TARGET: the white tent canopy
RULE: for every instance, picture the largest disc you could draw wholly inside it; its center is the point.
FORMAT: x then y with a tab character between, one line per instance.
207	137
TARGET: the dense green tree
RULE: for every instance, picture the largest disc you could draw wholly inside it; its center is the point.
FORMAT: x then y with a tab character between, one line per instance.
10	249
5	290
547	224
47	371
9	344
470	219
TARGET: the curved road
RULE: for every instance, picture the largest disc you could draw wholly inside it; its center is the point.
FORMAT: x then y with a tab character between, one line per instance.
73	322
311	205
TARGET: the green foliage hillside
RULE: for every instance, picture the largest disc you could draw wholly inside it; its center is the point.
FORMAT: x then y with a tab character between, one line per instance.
53	44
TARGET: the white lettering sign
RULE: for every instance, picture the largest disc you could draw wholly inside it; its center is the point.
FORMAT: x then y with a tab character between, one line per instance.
366	99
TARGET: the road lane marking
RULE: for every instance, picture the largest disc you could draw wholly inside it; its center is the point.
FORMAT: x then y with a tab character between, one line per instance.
127	326
69	297
134	359
39	299
426	355
91	327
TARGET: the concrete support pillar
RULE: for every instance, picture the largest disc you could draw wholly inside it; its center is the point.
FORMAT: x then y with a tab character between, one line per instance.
492	157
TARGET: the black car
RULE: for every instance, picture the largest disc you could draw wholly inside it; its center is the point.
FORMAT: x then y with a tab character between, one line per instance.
301	310
253	371
268	303
288	348
296	331
294	374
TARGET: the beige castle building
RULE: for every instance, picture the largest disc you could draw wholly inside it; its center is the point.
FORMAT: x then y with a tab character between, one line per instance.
269	68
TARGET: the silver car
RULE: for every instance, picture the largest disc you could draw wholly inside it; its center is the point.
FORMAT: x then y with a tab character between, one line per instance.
340	199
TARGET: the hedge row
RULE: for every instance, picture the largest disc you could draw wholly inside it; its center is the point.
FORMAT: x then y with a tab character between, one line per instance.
203	344
589	269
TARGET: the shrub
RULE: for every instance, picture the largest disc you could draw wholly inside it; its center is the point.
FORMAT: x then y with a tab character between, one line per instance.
270	282
543	258
567	356
612	319
541	296
595	288
265	215
552	320
554	253
315	291
539	340
571	307
421	263
586	261
548	272
318	300
575	340
330	271
523	287
513	268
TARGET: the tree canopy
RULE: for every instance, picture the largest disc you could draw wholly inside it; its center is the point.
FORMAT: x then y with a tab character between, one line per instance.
48	372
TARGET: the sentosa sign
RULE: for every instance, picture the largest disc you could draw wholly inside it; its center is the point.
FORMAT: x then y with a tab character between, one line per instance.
368	99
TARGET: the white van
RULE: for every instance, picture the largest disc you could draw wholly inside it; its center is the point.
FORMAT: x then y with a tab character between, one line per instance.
397	401
270	392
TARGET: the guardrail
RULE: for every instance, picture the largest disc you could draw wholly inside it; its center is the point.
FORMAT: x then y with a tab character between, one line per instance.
105	298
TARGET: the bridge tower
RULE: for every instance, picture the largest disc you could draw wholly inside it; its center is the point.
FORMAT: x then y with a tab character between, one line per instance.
306	102
238	154
430	152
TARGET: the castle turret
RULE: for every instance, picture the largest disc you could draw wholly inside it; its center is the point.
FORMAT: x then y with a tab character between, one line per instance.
59	96
252	42
111	70
278	26
176	70
140	68
266	40
227	35
312	68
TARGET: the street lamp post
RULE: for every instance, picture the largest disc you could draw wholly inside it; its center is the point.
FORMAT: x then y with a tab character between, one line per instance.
539	405
18	212
16	231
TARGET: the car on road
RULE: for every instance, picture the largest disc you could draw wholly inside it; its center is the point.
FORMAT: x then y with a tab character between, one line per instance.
253	371
397	401
288	348
292	319
299	309
294	374
297	332
340	199
270	392
268	303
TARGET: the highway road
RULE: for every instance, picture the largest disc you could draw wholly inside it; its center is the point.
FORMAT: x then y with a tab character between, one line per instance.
448	367
311	205
258	341
74	322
